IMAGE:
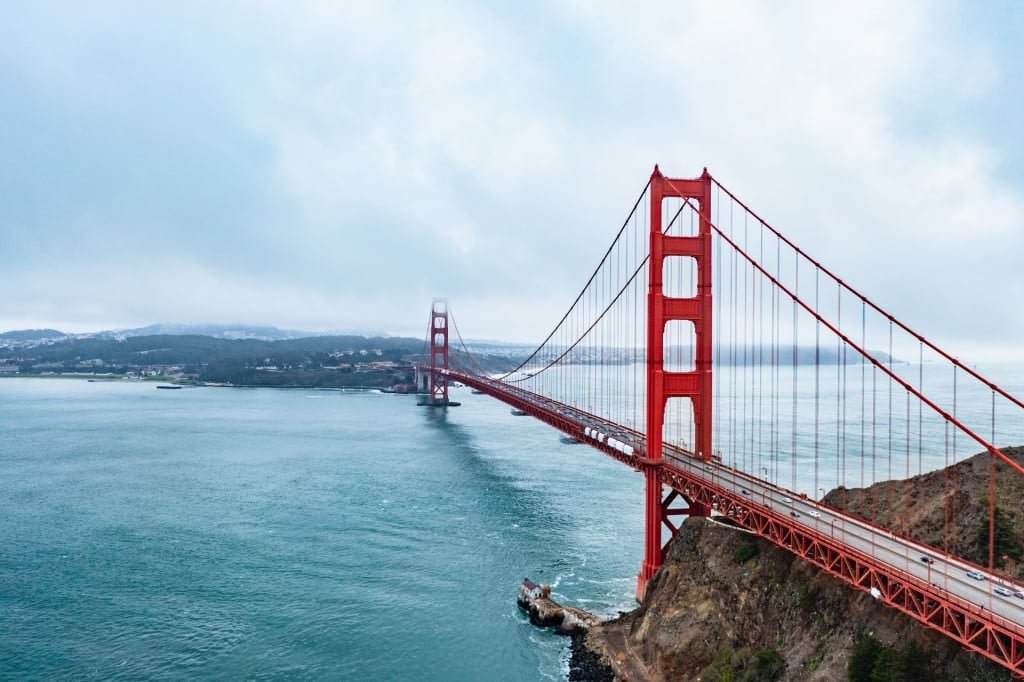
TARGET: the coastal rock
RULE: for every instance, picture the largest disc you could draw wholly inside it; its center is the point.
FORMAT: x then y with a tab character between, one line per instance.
545	612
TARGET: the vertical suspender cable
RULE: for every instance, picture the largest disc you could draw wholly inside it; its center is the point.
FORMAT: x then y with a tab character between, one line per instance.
992	495
817	380
734	341
717	248
890	423
953	483
748	344
920	417
792	454
908	484
863	381
840	397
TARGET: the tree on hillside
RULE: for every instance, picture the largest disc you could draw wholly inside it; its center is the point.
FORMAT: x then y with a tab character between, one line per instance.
863	658
1006	540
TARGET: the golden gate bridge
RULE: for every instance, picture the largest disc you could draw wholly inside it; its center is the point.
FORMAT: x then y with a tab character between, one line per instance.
744	379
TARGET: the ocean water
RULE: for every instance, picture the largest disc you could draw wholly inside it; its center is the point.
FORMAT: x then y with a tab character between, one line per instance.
263	534
290	534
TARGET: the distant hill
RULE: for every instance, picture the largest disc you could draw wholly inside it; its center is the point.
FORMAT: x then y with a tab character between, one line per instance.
317	361
32	335
217	331
195	348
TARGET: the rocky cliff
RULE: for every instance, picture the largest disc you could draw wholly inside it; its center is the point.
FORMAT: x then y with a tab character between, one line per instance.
728	605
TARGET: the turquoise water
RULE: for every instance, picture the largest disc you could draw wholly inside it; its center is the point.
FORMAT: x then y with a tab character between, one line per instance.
272	534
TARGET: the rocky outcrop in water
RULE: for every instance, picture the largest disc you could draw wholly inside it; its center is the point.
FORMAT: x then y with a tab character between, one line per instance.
545	612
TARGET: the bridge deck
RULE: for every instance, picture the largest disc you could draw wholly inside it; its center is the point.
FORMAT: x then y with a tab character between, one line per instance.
938	593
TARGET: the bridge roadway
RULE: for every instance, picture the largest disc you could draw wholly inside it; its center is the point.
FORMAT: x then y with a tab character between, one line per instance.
946	572
939	593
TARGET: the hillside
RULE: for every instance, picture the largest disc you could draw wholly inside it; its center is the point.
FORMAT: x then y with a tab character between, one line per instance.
949	509
31	335
728	605
319	361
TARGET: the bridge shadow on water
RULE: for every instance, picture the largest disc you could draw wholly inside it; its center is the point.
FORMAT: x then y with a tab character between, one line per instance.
524	511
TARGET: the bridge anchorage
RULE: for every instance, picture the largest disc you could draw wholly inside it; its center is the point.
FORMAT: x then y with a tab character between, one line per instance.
743	380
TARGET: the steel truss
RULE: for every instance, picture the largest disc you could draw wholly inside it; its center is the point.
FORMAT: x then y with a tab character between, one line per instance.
960	620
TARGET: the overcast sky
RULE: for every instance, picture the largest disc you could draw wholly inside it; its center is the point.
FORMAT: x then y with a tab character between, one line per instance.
335	165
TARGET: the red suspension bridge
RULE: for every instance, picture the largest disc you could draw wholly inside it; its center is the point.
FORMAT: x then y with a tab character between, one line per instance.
744	379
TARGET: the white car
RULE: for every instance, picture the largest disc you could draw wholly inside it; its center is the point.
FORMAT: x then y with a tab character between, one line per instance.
815	514
786	500
976	575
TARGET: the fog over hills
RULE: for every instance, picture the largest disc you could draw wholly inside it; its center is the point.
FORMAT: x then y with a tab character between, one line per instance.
217	331
725	356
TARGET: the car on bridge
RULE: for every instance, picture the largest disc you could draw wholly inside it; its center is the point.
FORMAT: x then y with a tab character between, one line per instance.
815	514
787	500
1003	592
927	559
976	575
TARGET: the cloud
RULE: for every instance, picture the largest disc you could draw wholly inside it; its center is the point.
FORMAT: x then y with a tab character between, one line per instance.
337	166
801	109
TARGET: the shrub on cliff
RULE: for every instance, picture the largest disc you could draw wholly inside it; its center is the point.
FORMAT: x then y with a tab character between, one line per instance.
745	665
872	662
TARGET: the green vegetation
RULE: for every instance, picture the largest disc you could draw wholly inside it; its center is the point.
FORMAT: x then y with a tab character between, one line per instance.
168	349
745	665
870	661
1007	541
805	598
315	362
747	552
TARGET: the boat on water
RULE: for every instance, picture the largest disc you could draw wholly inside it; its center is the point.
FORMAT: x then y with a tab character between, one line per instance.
477	391
517	413
168	387
569	440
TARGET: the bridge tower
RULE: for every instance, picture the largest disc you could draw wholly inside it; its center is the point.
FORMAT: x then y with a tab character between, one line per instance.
438	352
695	384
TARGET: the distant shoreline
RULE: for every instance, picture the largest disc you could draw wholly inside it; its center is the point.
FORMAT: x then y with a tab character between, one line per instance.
100	378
